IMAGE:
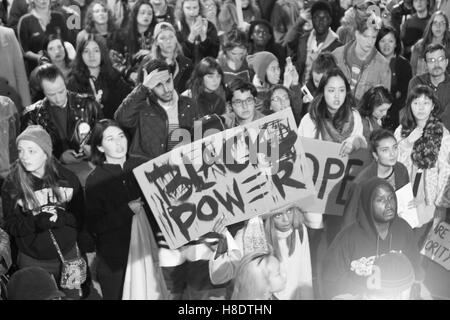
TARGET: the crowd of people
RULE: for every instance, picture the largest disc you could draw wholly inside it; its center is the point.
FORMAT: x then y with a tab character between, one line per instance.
92	89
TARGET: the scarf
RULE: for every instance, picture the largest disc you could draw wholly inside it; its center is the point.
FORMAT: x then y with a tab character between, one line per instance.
426	149
331	133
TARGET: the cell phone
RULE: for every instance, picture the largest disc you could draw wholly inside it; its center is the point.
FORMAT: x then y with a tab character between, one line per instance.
306	92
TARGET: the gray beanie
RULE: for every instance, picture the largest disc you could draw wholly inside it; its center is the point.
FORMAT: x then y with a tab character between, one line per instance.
38	135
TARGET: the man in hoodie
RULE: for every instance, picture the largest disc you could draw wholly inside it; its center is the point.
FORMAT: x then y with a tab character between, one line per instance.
378	230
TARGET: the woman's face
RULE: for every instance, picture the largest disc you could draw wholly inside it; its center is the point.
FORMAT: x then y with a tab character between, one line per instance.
421	108
55	51
275	276
167	41
387	44
273	72
279	100
380	111
191	9
237	55
438	26
283	220
334	93
41	4
32	157
212	81
145	15
245	3
114	143
386	152
99	14
91	55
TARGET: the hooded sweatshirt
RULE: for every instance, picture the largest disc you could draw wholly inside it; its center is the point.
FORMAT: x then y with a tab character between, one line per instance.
349	260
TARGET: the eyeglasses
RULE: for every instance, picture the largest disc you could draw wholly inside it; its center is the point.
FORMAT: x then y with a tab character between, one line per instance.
260	32
240	103
434	60
279	99
439	23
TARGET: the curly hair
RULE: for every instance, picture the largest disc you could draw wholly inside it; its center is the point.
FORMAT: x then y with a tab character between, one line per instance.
318	110
426	149
89	23
81	72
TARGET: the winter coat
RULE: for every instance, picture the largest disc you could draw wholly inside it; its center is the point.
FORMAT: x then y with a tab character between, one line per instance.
81	108
141	113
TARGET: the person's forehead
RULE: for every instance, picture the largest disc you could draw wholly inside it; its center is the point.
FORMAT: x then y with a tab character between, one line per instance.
382	190
279	92
261	26
321	13
52	86
386	142
238	94
436	53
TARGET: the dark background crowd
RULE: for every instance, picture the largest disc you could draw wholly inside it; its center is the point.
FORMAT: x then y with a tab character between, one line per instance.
89	90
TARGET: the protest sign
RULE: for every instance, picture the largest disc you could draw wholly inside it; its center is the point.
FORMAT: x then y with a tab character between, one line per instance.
240	173
404	197
332	174
437	245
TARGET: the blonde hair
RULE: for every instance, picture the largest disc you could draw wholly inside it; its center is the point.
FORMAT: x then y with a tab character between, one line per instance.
251	281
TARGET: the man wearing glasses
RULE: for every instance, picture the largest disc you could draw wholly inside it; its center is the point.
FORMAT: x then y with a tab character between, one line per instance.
241	96
436	78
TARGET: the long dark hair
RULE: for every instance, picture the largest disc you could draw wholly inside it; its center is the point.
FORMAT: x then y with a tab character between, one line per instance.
132	27
81	72
408	121
385	30
49	38
318	110
206	66
427	37
89	24
372	98
98	157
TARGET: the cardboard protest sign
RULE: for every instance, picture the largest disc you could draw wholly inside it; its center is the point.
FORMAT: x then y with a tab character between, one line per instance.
332	174
437	245
241	172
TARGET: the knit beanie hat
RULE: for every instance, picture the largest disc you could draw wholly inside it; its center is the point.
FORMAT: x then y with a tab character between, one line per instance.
259	63
396	272
161	27
33	283
38	135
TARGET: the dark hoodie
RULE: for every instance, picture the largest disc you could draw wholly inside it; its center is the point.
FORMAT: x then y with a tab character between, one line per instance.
349	259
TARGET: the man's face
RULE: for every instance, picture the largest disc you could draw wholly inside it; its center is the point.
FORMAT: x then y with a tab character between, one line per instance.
261	35
436	63
243	104
366	40
55	91
164	90
384	204
321	21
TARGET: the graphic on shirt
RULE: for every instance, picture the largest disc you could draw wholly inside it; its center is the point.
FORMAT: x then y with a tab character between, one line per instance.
48	201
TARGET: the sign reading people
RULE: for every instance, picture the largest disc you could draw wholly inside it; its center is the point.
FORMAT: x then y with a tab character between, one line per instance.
332	174
437	245
240	173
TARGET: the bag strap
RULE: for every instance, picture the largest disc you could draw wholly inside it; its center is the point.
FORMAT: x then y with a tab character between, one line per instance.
57	246
59	250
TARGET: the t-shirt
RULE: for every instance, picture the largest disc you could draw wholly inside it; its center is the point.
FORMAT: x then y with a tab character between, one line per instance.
171	109
59	118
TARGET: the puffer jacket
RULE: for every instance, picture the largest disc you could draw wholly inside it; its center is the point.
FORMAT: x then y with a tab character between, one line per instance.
148	122
81	108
